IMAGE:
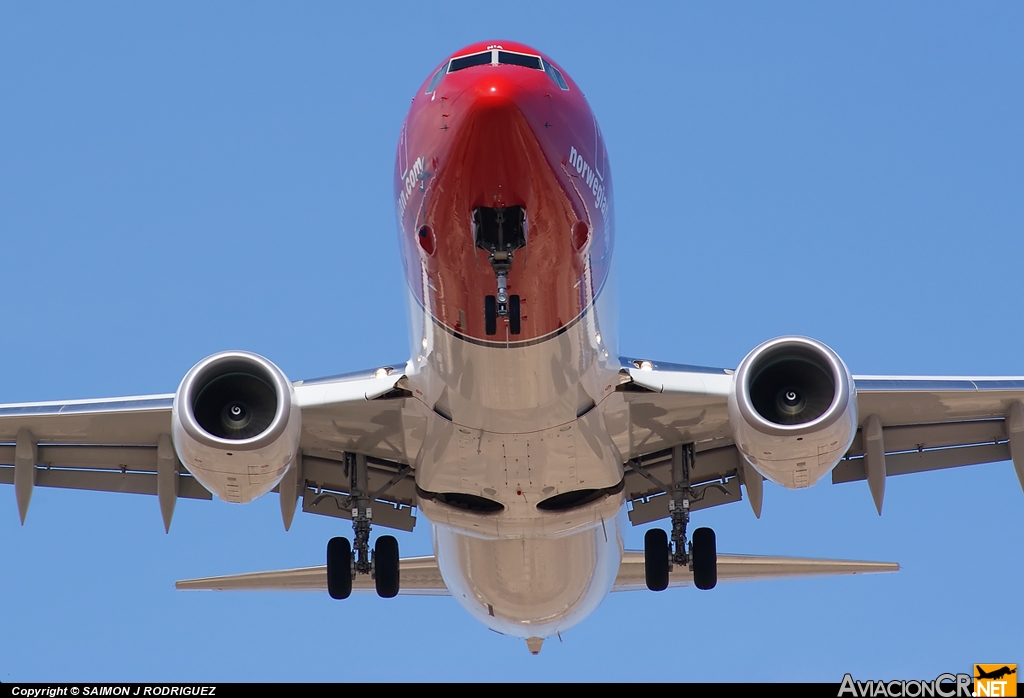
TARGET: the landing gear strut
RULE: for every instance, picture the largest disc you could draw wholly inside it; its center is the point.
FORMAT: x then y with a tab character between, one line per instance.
345	561
500	232
660	556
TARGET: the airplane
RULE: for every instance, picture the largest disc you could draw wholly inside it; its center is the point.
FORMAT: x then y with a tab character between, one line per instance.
515	427
995	674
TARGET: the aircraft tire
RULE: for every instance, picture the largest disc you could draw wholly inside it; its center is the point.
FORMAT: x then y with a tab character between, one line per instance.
515	325
705	559
491	316
656	562
339	568
385	567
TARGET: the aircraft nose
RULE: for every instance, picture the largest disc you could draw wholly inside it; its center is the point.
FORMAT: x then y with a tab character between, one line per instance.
496	94
494	147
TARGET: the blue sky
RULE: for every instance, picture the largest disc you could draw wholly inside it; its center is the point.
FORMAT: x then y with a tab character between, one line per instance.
182	178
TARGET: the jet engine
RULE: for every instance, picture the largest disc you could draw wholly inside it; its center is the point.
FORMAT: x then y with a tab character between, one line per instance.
235	425
793	410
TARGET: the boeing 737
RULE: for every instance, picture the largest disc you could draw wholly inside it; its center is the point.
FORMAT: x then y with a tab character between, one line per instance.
514	428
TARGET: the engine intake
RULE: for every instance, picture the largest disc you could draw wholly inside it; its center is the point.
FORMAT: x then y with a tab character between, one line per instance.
235	425
789	385
236	406
793	410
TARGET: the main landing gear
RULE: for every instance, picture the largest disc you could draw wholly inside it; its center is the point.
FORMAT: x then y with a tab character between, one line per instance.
500	232
345	560
660	556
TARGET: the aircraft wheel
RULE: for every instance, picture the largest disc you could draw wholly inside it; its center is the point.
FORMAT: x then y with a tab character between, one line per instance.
339	568
515	325
705	559
385	566
491	316
656	562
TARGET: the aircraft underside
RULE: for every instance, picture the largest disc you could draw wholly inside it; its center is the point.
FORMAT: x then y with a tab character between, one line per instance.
515	427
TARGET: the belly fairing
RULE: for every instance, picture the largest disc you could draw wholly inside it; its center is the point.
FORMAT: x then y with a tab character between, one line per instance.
530	586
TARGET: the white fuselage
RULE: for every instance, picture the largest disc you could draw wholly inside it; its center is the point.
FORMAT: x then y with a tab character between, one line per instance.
514	438
502	183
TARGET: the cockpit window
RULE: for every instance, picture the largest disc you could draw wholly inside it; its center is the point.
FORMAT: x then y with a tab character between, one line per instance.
509	58
555	75
498	56
469	61
432	85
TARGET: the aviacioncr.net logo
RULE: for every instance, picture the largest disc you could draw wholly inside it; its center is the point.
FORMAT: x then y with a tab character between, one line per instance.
943	686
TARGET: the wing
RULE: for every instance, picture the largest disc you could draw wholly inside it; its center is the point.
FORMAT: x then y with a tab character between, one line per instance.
672	404
916	424
422	577
907	425
123	445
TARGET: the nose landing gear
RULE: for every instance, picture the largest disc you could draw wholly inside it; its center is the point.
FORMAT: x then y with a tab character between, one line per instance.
701	557
345	560
500	232
494	308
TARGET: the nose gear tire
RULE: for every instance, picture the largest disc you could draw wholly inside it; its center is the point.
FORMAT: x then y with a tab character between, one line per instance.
515	325
491	316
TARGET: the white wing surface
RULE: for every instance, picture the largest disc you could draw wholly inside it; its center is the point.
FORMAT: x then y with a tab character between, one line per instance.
123	445
923	423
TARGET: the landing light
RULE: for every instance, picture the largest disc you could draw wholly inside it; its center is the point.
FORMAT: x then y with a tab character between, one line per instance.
646	366
383	372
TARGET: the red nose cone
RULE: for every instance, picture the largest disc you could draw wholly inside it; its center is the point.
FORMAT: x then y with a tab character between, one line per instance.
496	87
494	144
493	131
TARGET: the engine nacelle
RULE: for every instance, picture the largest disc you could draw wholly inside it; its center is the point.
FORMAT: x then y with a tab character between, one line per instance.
793	410
235	425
